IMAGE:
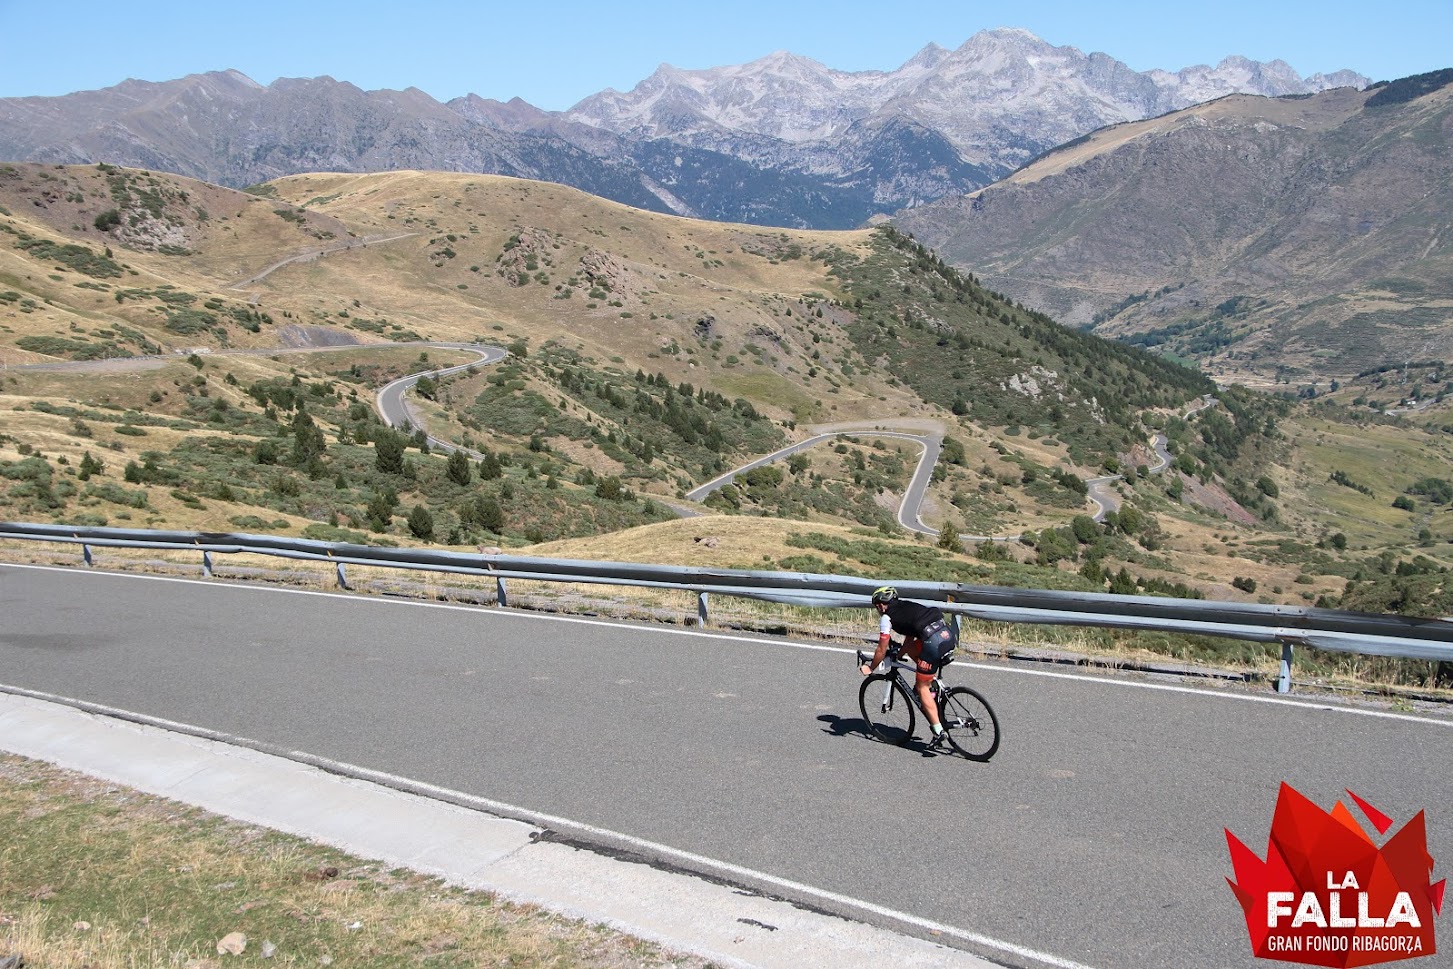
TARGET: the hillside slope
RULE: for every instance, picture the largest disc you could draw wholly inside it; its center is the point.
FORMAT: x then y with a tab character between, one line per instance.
1295	238
648	353
613	315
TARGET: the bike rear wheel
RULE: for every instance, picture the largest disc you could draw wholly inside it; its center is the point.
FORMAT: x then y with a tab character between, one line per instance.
887	709
969	721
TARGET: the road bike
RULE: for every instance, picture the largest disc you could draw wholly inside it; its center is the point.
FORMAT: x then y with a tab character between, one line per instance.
888	705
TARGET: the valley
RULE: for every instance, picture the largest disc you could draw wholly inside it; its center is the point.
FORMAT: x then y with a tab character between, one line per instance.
1277	243
647	355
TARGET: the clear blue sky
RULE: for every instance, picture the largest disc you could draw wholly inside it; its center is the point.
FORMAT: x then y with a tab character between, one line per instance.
552	54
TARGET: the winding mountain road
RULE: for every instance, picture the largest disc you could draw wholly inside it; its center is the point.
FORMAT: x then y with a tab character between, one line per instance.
930	438
908	509
394	408
1099	491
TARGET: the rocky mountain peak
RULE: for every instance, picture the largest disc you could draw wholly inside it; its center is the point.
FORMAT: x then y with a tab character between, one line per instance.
988	83
516	114
1012	41
1289	242
927	58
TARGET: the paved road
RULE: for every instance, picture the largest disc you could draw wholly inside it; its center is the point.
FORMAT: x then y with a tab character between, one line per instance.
909	508
390	401
314	254
1095	836
396	410
1099	491
394	407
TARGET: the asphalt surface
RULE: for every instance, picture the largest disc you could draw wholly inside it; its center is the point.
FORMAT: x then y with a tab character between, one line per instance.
393	406
1094	838
1099	490
909	508
315	254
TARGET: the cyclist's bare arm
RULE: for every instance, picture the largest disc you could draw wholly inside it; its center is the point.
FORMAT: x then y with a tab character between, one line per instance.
885	644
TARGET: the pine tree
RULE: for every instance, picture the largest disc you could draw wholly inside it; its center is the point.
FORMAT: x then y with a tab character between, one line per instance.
389	453
458	470
421	523
89	466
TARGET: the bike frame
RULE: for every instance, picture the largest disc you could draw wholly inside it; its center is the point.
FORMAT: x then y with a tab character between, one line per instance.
893	661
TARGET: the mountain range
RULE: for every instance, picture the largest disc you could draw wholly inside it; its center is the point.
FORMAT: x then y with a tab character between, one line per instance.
1270	238
783	140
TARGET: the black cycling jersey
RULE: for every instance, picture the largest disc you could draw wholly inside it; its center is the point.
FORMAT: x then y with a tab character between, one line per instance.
926	624
910	618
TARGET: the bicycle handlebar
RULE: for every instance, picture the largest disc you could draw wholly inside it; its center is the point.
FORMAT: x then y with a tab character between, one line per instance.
894	652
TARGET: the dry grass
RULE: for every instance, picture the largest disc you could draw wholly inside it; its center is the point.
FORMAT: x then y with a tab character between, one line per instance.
1383	458
93	875
668	274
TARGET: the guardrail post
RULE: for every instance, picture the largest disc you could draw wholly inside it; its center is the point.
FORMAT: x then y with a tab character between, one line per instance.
499	591
207	563
1284	682
342	576
86	554
701	609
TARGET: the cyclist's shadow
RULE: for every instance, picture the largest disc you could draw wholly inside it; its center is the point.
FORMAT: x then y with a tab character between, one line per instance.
858	727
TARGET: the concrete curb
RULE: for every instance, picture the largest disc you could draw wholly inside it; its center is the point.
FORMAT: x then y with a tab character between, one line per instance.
469	848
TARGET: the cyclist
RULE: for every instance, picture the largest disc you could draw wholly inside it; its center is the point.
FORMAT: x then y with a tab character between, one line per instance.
927	639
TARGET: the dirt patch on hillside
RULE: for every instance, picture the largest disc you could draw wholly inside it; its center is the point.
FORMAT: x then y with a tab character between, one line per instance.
297	337
1215	499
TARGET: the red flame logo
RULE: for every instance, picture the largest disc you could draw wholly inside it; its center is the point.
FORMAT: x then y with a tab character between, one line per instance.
1326	895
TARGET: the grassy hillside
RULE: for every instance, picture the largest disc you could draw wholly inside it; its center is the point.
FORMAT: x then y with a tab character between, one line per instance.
648	353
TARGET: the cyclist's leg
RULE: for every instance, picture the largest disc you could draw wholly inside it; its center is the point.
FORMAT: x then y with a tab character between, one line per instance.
913	647
924	686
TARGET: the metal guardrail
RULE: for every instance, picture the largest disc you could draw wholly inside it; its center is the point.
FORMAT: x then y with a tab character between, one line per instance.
1328	629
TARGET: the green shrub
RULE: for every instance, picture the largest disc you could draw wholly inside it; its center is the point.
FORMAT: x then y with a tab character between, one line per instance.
189	322
1437	490
80	258
421	523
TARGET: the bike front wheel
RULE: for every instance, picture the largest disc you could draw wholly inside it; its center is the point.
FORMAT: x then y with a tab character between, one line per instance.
887	709
969	721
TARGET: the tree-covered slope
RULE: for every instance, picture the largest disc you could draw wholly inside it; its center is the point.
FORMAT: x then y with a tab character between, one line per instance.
973	351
